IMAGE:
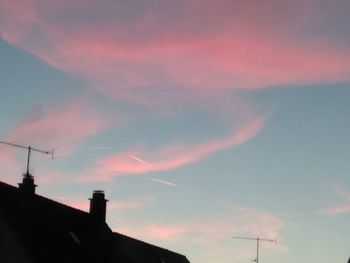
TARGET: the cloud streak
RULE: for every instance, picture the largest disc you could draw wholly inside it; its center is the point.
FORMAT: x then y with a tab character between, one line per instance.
247	221
169	157
209	237
339	209
63	128
136	53
162	53
176	53
162	181
112	206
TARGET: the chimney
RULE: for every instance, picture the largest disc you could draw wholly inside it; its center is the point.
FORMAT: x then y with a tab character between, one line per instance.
98	205
27	186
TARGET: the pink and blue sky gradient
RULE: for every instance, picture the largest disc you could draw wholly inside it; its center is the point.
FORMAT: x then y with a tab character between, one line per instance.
200	119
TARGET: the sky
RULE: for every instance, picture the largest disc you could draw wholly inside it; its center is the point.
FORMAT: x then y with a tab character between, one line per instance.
199	119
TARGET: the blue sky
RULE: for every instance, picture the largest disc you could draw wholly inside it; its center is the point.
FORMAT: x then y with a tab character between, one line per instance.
200	120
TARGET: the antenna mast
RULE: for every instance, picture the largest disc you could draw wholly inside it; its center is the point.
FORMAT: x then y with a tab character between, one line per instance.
258	240
30	149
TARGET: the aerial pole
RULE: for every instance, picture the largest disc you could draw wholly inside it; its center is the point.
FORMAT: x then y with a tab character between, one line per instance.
258	240
29	149
28	158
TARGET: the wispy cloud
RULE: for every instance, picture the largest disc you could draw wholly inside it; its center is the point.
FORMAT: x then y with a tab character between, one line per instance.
342	193
138	159
179	53
210	236
248	221
62	127
162	181
339	209
9	166
168	157
136	54
112	206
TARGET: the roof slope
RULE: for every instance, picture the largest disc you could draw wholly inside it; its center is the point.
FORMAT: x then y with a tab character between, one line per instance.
125	247
53	232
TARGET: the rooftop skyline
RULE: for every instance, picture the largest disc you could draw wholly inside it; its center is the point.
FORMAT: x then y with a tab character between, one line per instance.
199	120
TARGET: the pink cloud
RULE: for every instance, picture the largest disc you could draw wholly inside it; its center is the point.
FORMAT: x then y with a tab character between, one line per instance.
136	54
259	223
166	232
112	206
240	221
62	128
342	193
169	157
49	177
210	236
129	204
339	209
185	53
9	166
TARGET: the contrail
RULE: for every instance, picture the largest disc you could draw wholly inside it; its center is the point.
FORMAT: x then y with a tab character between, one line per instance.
137	159
162	181
151	178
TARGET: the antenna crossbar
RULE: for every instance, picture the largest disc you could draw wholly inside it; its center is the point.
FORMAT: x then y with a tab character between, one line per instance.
30	149
254	238
258	240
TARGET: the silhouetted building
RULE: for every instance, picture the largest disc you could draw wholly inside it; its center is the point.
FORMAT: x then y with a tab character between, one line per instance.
35	229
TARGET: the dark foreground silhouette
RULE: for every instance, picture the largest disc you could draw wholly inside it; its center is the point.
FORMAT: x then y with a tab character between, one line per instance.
36	229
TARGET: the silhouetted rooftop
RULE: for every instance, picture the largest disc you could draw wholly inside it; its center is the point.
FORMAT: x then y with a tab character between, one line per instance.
53	232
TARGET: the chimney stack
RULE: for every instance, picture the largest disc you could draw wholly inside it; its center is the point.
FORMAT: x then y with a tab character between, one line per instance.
98	205
27	186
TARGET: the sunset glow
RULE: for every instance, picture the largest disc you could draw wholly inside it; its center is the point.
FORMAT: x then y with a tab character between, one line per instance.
200	119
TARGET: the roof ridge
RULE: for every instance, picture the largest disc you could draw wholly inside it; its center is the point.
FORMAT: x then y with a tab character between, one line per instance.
45	198
63	218
149	244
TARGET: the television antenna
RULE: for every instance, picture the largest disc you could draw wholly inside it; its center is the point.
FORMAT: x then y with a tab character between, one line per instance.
258	240
29	149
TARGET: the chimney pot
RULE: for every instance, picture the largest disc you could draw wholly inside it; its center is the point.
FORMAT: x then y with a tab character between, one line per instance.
27	186
98	205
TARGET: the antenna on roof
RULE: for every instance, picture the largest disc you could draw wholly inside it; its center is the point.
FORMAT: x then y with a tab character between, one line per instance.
258	240
30	149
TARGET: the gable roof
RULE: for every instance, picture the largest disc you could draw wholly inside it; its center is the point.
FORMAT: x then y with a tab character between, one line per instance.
53	232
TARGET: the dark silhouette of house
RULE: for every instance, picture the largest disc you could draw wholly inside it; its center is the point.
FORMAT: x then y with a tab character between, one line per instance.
35	229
